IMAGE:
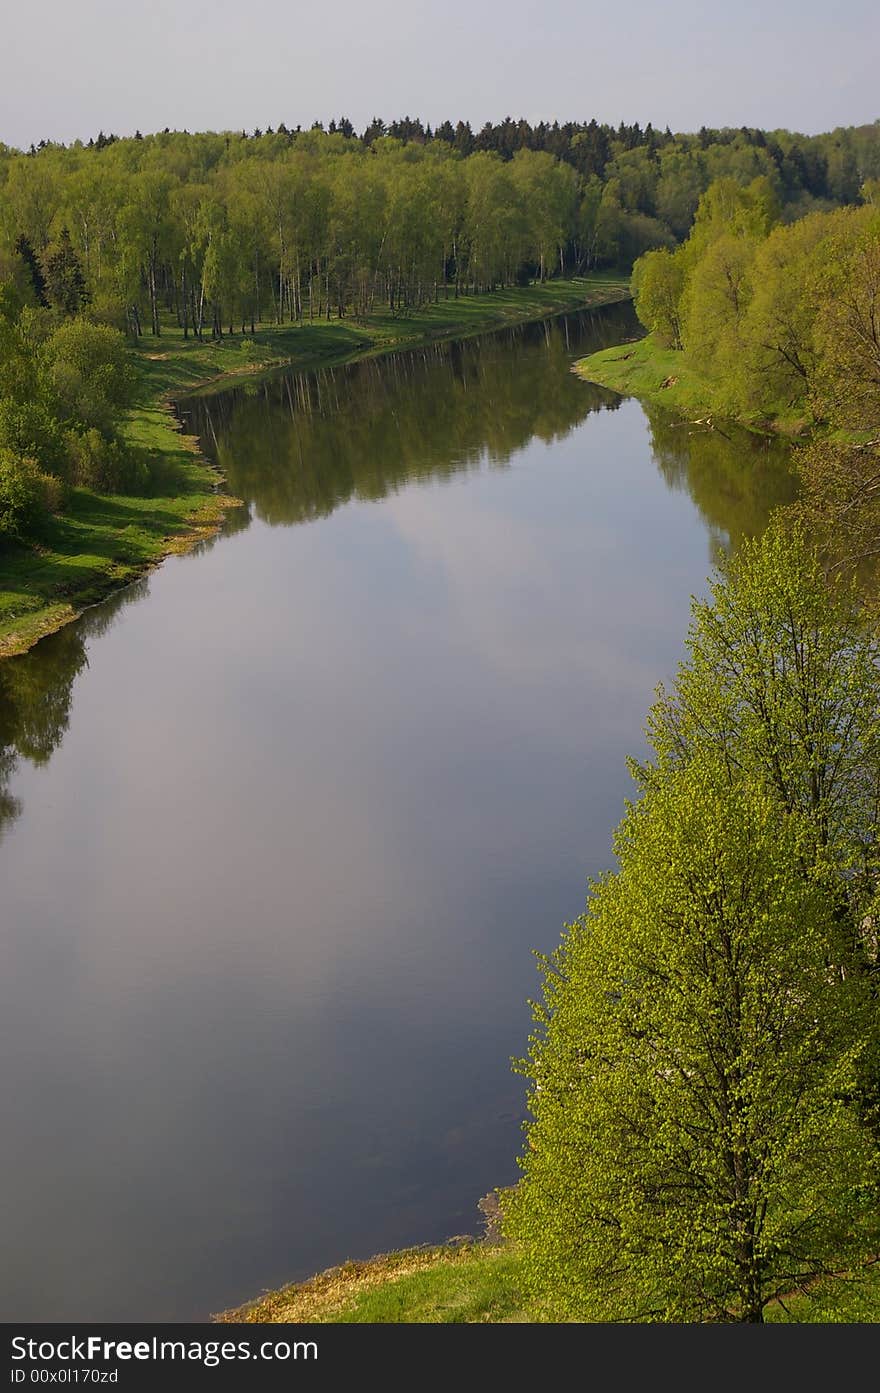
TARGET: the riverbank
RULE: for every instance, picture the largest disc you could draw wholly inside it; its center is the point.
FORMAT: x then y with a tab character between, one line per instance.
482	1282
455	1283
101	543
662	377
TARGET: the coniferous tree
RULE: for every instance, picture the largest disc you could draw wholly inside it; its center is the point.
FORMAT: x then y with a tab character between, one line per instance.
65	280
35	272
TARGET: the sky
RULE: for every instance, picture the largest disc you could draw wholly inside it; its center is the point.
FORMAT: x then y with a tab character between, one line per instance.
74	67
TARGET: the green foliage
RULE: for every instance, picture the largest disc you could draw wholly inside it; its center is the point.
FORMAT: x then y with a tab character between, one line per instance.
704	1065
658	283
63	394
713	307
28	428
22	499
456	1284
779	319
779	353
29	264
783	683
64	283
107	466
848	1298
691	1154
90	372
230	230
840	505
846	382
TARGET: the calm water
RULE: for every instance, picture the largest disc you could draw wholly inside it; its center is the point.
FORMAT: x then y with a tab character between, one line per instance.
281	824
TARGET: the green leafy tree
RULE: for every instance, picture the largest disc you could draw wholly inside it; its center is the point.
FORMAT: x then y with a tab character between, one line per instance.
705	1069
779	355
840	506
30	430
713	308
658	284
22	496
695	1151
90	373
847	287
783	683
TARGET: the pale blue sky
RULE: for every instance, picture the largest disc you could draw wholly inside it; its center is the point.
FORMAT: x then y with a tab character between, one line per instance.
71	67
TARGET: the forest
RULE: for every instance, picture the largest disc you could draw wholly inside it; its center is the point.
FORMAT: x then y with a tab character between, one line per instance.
224	229
779	325
214	234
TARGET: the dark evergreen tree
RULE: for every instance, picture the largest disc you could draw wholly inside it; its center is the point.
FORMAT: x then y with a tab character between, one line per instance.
374	131
64	278
31	261
464	138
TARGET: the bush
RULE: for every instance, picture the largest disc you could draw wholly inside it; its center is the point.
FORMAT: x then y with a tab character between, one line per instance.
90	372
105	465
53	492
27	428
22	494
109	311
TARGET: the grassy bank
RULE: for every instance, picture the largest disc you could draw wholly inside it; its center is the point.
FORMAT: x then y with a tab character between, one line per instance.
647	370
477	1282
100	543
452	1284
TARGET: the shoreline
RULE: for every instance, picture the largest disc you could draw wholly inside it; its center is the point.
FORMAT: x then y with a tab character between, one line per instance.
644	369
466	1280
101	543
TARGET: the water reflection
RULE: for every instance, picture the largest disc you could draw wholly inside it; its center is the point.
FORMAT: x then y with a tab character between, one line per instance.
268	911
300	445
36	692
734	476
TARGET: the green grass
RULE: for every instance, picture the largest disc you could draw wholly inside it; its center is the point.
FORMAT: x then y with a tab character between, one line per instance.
172	365
475	1282
463	1283
101	543
647	370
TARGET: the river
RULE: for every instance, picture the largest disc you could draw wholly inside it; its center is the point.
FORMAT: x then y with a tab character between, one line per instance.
281	824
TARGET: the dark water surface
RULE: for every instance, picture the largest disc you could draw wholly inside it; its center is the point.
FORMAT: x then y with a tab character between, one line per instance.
281	824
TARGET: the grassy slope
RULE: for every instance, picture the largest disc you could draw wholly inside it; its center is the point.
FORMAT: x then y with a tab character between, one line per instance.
646	370
100	543
477	1283
463	1283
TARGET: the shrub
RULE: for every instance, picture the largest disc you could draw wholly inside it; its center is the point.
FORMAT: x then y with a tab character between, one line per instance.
109	311
54	493
27	428
22	494
90	373
105	465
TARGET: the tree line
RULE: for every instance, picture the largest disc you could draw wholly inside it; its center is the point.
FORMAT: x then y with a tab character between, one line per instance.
780	322
223	230
705	1066
828	166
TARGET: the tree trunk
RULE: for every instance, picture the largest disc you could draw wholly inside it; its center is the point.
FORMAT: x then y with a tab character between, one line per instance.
154	305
